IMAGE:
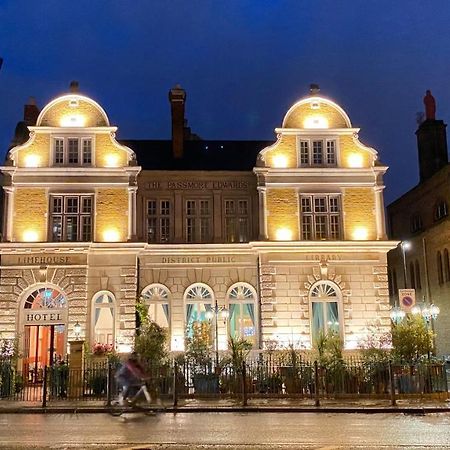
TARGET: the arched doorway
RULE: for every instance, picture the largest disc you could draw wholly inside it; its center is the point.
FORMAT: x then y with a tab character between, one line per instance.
44	320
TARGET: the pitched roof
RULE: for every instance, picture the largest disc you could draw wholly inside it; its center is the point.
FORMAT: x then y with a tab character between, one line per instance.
198	154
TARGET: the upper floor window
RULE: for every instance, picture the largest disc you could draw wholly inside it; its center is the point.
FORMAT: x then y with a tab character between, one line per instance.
71	218
440	210
72	151
159	220
198	213
236	220
416	223
320	217
317	152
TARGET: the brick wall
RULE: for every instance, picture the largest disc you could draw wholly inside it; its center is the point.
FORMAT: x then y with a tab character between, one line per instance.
111	213
105	147
30	208
282	212
329	112
359	211
40	148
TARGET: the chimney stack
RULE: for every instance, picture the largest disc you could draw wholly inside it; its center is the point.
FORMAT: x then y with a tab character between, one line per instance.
30	112
177	98
74	87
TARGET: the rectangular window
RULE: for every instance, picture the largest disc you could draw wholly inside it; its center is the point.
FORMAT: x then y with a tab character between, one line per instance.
87	151
198	220
71	218
72	152
236	220
317	156
304	152
319	152
190	229
320	217
159	221
59	151
331	153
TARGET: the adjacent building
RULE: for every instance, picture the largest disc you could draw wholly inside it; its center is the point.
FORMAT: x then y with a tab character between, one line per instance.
287	237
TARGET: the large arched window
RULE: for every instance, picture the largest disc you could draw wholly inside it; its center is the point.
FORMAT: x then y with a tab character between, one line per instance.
325	299
45	298
241	299
199	299
157	298
103	304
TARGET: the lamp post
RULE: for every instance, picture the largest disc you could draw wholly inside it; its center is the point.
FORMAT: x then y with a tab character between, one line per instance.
430	313
405	245
214	313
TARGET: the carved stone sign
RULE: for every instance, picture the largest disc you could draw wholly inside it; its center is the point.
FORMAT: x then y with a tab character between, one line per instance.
45	316
197	184
43	260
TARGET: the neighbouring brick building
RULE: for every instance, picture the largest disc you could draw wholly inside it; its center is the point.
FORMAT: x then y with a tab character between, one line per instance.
420	217
288	237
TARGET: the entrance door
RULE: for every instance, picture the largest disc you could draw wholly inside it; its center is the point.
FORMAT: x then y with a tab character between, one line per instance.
44	345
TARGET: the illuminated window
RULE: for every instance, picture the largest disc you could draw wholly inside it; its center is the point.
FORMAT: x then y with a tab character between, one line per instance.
325	301
317	152
320	217
199	300
103	317
440	210
242	312
46	298
198	220
236	220
71	151
157	298
159	219
71	218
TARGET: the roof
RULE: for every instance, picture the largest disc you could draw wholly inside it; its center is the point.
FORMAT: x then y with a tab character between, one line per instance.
198	155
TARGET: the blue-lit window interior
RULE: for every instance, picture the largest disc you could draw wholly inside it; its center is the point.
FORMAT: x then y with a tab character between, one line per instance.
199	300
242	323
325	310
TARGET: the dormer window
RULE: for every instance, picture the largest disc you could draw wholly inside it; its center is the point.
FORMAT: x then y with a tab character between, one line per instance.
317	152
72	151
440	210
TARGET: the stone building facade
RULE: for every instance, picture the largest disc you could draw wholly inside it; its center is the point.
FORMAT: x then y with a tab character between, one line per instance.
272	242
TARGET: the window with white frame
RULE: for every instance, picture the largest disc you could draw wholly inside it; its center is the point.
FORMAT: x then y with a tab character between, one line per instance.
317	152
72	151
199	300
236	220
159	220
71	218
198	220
320	216
242	312
325	298
103	305
440	210
157	299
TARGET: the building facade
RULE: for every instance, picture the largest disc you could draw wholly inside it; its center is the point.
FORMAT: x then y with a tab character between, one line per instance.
287	238
420	219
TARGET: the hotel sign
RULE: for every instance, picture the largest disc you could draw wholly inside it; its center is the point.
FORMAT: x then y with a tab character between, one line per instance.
45	316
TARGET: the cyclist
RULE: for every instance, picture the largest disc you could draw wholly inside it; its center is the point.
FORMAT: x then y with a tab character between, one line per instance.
131	373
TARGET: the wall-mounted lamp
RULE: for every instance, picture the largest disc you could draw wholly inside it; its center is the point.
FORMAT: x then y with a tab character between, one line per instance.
77	330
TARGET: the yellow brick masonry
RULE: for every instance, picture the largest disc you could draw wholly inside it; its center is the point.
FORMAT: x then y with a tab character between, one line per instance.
105	146
282	207
329	112
92	116
359	211
40	148
111	213
347	148
287	146
30	208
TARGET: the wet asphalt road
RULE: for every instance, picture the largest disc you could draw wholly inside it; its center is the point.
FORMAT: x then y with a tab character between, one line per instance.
229	431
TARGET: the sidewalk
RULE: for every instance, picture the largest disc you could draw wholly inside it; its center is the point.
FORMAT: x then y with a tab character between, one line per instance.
285	405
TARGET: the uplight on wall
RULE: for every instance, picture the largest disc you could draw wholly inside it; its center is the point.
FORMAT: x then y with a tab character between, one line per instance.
30	236
360	234
283	234
72	120
111	235
315	121
112	160
279	161
32	160
355	160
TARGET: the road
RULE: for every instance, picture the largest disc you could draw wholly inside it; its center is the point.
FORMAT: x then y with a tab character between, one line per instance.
226	431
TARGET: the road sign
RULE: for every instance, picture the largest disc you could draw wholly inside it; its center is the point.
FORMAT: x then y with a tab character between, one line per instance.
407	298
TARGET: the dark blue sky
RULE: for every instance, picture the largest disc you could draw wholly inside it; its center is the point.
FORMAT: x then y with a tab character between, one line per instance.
242	62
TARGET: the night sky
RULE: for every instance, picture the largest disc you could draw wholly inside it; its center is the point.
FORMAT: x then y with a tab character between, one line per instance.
242	62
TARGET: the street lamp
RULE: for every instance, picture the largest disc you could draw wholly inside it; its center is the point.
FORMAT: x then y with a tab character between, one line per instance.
397	314
405	245
77	330
429	313
214	313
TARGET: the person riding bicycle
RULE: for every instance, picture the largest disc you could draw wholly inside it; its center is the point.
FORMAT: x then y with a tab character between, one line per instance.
131	373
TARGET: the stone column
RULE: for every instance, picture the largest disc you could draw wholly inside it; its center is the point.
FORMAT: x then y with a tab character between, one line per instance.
131	213
262	213
9	209
217	216
379	213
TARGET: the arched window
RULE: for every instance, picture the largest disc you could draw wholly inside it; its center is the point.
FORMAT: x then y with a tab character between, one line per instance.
418	278
199	299
157	298
325	299
103	304
412	275
446	266
439	268
45	298
241	298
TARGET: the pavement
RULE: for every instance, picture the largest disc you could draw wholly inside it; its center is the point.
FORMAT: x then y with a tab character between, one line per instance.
190	405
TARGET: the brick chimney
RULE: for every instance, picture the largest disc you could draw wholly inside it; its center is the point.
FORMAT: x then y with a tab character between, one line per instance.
177	98
74	87
30	112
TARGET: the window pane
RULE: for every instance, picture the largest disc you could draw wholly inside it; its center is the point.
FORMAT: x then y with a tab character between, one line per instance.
56	228
190	207
159	313
229	207
71	205
321	227
87	151
72	156
243	207
104	325
331	152
86	228
165	207
59	151
318	321
165	229
334	204
243	229
151	207
230	229
307	228
317	152
204	207
151	229
334	227
57	205
86	205
306	204
304	152
320	204
332	317
204	229
71	228
190	229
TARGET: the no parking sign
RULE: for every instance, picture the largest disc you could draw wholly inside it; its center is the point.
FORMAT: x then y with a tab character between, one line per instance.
407	298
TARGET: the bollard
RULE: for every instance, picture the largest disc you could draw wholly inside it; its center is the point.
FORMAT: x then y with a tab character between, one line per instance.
244	384
316	384
175	384
109	385
391	379
44	388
